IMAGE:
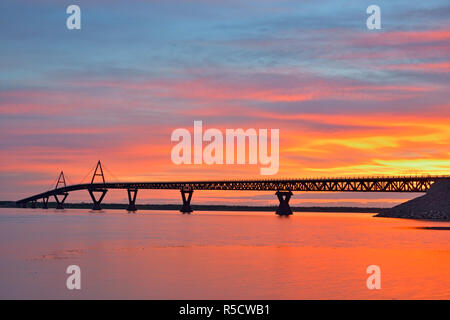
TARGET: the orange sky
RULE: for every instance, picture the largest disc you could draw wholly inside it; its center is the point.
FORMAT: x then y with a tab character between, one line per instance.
347	101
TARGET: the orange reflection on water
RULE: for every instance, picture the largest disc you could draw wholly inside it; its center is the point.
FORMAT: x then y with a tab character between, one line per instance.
222	255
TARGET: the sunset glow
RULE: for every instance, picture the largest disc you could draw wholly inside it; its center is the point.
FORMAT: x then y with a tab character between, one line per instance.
348	102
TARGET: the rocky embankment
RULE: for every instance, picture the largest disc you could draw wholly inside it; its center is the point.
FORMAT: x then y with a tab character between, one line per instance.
434	205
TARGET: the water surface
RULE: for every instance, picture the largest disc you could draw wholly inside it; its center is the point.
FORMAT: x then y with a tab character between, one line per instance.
220	255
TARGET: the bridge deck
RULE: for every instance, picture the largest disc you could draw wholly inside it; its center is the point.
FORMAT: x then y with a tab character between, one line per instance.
368	184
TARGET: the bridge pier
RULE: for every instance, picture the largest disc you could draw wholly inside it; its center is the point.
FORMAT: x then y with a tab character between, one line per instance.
186	207
132	193
33	204
45	203
96	202
60	203
284	209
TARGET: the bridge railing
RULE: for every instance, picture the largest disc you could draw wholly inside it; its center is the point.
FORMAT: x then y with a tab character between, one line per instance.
404	183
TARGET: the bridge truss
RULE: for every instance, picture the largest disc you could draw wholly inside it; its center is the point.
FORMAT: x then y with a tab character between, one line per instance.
282	187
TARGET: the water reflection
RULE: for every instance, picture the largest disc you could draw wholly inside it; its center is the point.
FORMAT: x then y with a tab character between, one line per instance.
220	255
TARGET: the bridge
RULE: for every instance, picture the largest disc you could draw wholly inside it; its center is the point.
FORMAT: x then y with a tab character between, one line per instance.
283	188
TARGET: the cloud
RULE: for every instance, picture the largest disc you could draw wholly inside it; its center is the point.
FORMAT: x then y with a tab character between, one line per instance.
347	101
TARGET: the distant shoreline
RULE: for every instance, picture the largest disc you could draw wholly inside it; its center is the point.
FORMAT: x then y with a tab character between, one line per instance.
176	207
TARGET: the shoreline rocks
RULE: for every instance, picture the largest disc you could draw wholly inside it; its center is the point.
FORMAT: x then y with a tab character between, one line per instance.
434	205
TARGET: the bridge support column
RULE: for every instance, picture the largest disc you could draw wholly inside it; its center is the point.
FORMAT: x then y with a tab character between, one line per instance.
45	203
96	202
284	209
33	204
186	207
132	193
60	203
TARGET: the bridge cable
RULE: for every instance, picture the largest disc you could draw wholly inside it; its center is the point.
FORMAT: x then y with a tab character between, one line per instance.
68	180
111	173
88	173
52	186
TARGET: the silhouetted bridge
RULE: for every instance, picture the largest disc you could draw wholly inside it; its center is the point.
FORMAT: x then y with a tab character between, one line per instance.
283	188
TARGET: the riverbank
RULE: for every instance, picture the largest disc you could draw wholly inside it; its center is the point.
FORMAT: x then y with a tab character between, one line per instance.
434	205
12	204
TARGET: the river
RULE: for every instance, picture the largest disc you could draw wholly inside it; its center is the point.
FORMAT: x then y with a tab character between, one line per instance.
220	255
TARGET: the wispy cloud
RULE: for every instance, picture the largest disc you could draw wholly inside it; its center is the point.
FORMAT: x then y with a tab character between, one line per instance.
347	101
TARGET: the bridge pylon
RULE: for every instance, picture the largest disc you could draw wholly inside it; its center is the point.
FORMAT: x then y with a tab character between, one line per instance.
92	190
100	174
186	207
60	202
61	180
96	201
132	193
45	202
284	209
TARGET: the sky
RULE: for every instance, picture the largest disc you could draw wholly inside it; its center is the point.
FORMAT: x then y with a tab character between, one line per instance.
348	101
